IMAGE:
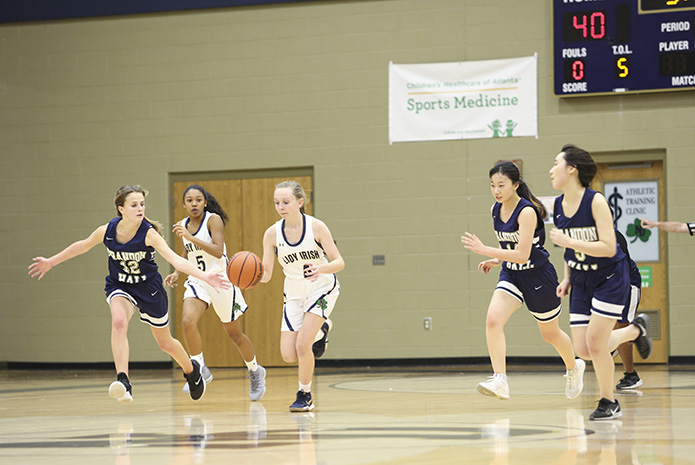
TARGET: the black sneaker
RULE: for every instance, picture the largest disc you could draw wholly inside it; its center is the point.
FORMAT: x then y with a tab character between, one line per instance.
196	382
121	389
606	410
303	402
319	347
629	381
643	341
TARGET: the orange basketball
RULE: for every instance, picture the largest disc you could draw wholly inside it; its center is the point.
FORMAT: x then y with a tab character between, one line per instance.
245	269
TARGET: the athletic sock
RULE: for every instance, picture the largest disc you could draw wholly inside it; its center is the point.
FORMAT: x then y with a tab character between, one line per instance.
305	387
252	365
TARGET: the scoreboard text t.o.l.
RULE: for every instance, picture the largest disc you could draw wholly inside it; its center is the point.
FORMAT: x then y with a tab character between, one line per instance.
609	46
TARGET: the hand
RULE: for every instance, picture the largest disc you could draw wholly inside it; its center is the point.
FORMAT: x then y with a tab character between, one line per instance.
559	238
182	232
40	267
647	223
563	289
471	242
218	281
487	265
170	280
311	272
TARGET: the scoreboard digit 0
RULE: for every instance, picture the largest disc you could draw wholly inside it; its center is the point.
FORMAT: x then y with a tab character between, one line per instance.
616	46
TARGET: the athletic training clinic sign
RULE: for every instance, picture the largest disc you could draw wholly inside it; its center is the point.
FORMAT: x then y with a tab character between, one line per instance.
464	100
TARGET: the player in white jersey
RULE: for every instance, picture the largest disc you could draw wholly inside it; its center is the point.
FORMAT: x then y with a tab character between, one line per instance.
301	243
203	240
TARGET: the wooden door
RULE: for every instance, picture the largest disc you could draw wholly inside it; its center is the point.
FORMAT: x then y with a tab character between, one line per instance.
653	300
251	210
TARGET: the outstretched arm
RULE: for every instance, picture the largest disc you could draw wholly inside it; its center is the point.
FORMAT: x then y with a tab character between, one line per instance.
216	280
42	265
668	226
268	253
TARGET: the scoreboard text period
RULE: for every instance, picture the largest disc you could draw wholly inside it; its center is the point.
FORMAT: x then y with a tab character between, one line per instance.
610	46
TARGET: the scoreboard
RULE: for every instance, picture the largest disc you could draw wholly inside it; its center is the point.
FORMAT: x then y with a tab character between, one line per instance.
615	46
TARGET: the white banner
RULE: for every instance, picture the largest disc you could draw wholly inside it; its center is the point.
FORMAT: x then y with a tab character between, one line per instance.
629	202
464	100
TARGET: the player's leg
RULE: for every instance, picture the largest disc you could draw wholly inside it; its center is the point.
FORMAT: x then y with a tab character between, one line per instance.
246	349
193	310
191	368
305	357
560	340
122	310
598	334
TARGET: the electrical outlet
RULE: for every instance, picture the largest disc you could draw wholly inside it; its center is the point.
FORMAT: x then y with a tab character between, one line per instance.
427	323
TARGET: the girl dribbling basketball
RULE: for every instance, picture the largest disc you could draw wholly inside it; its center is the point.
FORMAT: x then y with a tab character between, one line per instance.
526	276
301	243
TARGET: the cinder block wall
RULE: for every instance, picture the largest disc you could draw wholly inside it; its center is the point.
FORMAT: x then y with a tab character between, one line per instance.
89	105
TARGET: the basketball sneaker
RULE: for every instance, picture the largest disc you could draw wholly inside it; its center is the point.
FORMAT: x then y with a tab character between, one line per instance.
606	410
205	371
495	386
257	384
303	402
319	347
196	382
575	379
629	381
643	341
121	390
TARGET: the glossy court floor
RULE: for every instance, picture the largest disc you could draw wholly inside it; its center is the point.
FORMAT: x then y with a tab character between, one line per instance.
371	416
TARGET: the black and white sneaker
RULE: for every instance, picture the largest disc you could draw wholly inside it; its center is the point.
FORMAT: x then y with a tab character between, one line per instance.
606	410
196	382
319	347
643	341
121	390
629	381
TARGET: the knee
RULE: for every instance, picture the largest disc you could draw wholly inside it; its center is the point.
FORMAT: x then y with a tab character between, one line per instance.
494	322
189	324
288	356
550	336
582	353
119	323
303	348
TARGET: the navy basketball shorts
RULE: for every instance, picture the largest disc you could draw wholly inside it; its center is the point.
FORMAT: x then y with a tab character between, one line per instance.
536	288
605	292
635	297
149	298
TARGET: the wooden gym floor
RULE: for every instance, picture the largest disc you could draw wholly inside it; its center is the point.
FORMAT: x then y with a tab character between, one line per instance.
370	416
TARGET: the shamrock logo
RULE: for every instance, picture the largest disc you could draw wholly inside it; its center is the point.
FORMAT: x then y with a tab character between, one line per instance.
635	229
322	304
236	307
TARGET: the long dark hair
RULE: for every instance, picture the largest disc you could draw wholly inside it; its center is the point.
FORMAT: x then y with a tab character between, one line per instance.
212	205
511	171
580	159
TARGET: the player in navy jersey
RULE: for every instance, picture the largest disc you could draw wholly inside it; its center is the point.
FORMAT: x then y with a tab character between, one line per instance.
202	233
630	379
526	276
134	281
596	270
301	244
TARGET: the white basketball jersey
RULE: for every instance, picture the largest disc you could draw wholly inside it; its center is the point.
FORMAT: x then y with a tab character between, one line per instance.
200	258
292	257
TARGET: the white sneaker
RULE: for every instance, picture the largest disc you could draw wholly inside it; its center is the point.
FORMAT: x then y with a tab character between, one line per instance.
207	376
120	392
495	386
575	379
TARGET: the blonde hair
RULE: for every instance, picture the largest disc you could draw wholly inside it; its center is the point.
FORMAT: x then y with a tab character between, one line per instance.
296	190
119	201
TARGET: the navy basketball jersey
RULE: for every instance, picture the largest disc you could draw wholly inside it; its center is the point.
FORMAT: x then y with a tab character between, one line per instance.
508	236
133	262
582	226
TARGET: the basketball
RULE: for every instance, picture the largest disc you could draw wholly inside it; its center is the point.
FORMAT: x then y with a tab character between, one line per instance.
245	269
